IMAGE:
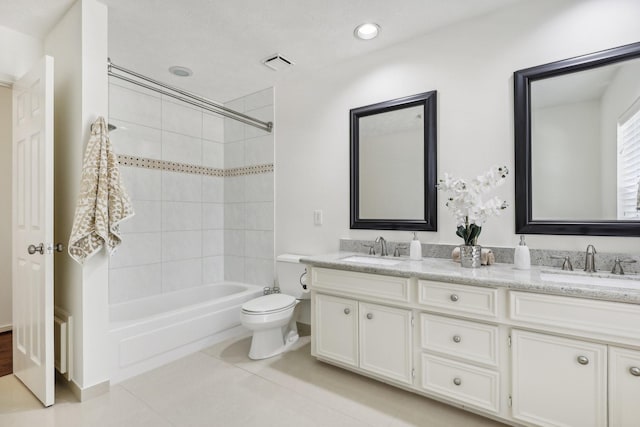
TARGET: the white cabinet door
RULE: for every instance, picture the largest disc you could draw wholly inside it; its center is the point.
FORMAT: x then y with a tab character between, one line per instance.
337	329
624	387
558	381
385	341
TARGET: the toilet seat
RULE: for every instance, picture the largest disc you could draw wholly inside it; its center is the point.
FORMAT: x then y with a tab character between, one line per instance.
269	304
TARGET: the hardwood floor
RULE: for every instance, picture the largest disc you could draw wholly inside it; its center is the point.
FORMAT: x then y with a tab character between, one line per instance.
6	358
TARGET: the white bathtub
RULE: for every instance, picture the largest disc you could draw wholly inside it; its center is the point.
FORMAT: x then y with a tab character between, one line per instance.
150	332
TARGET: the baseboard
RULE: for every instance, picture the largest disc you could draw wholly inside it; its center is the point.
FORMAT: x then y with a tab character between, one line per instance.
6	328
86	393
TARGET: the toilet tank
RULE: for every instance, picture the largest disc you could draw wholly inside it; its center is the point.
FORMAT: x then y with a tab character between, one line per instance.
289	272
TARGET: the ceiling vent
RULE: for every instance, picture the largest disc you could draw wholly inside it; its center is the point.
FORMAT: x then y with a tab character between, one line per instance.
277	62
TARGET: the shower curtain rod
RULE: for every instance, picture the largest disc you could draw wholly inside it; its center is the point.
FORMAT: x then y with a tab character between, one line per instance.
187	97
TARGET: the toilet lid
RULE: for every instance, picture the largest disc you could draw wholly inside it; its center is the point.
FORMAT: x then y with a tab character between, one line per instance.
269	303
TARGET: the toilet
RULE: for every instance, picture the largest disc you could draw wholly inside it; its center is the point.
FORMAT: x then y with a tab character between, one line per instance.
271	317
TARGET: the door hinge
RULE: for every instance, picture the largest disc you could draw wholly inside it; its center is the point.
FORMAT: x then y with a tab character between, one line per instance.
413	373
412	322
509	341
510	402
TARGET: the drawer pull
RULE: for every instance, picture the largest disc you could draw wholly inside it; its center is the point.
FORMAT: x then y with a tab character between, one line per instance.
369	316
347	310
457	381
457	338
583	360
635	371
454	297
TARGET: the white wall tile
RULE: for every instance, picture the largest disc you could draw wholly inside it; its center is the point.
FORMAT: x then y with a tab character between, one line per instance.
234	216
130	283
134	106
181	187
142	184
259	271
259	188
178	245
212	269
136	140
234	268
234	242
212	243
177	216
137	249
266	115
236	104
147	217
234	155
233	130
178	118
212	154
212	216
258	151
183	274
258	99
213	127
259	244
213	189
234	189
181	148
259	216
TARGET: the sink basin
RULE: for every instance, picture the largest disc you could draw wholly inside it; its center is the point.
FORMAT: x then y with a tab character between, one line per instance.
602	279
371	260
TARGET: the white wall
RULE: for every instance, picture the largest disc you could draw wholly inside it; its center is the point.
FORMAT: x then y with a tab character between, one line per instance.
17	53
78	44
5	210
471	66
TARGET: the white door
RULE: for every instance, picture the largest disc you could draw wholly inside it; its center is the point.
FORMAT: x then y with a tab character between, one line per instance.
32	262
385	341
558	381
336	329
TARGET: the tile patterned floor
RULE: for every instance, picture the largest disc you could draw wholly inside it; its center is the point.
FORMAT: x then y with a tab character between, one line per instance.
222	387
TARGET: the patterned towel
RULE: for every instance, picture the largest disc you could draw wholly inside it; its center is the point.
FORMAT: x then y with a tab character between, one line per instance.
103	202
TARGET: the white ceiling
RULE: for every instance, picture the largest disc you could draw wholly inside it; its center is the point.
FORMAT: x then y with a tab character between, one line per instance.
223	41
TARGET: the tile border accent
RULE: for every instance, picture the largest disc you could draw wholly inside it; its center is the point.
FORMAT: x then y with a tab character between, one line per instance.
142	162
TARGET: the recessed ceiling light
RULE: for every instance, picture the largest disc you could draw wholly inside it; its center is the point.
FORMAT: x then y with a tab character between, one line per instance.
180	71
367	31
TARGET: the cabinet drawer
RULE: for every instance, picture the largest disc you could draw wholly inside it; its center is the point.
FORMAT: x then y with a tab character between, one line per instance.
466	383
452	298
371	285
475	341
607	317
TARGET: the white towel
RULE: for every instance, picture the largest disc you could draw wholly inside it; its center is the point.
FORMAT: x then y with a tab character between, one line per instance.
102	203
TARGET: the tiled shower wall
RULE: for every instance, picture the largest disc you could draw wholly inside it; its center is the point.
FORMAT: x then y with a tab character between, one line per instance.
187	217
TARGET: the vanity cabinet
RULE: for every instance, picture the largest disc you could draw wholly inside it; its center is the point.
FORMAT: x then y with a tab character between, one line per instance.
558	381
373	337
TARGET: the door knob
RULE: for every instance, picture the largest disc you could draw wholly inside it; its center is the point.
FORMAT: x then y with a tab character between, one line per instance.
347	310
32	249
583	360
369	316
454	297
635	371
457	338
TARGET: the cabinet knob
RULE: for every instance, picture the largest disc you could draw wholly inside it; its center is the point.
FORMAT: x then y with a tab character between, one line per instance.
635	371
457	338
369	316
347	310
583	360
457	381
454	297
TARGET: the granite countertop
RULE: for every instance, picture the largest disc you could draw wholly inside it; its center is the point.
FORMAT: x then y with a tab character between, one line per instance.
496	275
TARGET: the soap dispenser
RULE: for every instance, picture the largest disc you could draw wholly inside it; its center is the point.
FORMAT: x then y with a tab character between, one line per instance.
521	256
415	249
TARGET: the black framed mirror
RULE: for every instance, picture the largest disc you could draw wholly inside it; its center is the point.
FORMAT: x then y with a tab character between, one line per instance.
575	163
393	164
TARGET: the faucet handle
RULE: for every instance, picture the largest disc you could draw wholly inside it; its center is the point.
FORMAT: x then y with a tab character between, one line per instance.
566	265
617	266
396	251
372	251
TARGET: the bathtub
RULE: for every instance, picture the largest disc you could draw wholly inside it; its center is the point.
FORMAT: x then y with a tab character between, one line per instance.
150	332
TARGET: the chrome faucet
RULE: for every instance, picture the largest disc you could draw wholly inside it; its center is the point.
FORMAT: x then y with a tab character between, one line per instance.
383	246
589	260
